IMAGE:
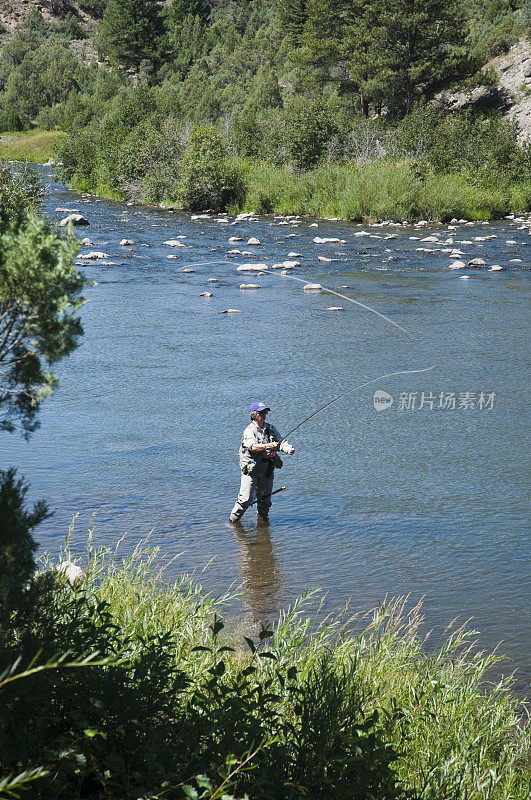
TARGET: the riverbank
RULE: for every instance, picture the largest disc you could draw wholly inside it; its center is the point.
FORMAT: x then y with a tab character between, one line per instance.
35	145
339	709
372	192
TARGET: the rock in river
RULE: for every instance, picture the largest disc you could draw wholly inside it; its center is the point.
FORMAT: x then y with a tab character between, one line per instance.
75	219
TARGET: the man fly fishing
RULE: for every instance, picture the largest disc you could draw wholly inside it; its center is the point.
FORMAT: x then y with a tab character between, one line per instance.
258	459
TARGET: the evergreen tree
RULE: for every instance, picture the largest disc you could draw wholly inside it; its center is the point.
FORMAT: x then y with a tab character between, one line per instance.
424	46
17	546
132	32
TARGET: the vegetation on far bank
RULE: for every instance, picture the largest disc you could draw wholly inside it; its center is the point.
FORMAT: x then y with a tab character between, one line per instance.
196	103
171	707
35	146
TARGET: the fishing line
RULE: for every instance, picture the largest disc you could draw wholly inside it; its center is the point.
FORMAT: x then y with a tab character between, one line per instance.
356	302
361	385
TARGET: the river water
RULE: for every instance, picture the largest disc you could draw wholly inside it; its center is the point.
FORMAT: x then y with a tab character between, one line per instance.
418	498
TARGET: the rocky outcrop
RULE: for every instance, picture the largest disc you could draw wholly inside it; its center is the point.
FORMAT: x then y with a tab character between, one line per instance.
511	94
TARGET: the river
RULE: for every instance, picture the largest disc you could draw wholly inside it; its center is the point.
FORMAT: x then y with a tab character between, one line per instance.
419	498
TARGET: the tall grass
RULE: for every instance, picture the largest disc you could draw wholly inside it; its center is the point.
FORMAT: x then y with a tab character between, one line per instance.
35	146
344	707
379	190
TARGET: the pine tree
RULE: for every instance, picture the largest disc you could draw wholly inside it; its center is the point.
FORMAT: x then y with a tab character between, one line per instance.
131	32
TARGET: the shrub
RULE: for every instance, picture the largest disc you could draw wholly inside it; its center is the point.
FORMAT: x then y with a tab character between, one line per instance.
208	179
17	546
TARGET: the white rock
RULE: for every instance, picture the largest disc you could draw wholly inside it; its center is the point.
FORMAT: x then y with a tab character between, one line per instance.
251	267
205	294
495	268
234	252
61	210
313	225
125	242
174	243
235	239
477	262
95	254
250	286
295	255
324	259
311	287
212	280
325	240
75	219
71	571
457	265
231	311
188	270
253	240
200	216
464	277
515	261
86	242
335	308
511	241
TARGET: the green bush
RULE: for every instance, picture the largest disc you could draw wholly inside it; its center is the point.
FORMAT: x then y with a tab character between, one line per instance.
17	546
208	179
156	701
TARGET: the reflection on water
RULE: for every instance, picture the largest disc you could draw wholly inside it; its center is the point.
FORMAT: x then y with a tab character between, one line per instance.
259	573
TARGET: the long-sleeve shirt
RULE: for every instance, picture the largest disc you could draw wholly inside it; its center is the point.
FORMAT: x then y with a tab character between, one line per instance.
255	435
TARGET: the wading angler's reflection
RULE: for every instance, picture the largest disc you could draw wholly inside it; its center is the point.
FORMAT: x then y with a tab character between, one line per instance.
259	573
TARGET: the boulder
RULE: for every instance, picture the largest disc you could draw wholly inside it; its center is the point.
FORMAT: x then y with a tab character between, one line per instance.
126	242
174	243
477	262
251	267
231	311
312	287
250	286
253	240
205	294
93	255
74	219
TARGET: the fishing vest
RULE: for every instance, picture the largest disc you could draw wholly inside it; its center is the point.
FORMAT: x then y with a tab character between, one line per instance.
250	461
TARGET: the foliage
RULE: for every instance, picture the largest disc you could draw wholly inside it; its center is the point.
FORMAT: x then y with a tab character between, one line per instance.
208	180
17	546
154	700
131	32
39	298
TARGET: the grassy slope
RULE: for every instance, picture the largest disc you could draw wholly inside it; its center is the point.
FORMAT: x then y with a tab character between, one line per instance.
36	146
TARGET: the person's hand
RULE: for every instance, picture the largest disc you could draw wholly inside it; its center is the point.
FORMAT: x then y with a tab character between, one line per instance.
290	451
272	446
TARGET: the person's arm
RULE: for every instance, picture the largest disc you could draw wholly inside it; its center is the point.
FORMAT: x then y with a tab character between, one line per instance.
249	441
285	446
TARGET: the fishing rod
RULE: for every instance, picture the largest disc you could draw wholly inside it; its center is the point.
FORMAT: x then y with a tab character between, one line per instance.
265	496
349	391
356	302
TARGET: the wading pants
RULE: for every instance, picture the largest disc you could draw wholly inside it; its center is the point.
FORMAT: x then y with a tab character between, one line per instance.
259	485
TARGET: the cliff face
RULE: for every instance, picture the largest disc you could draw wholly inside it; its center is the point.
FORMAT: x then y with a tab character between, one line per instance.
511	94
514	70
